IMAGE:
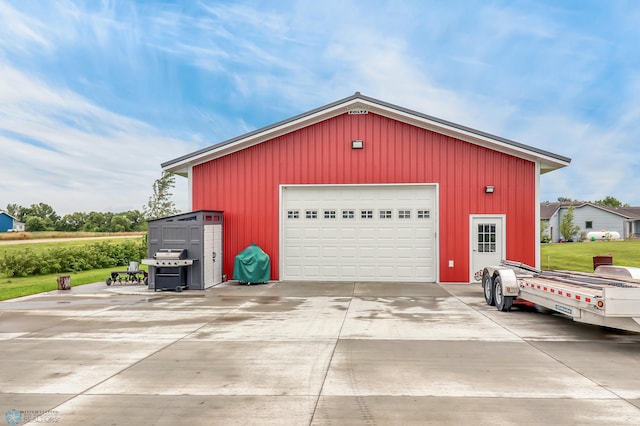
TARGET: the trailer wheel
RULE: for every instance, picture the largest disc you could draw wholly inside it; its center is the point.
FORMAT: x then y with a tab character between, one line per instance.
487	288
503	303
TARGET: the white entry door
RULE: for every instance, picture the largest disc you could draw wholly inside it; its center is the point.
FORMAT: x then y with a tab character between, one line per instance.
487	241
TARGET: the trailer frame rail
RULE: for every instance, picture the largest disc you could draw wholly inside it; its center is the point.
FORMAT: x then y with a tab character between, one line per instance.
609	297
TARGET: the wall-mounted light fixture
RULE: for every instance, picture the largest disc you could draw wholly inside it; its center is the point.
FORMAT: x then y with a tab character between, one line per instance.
357	144
489	189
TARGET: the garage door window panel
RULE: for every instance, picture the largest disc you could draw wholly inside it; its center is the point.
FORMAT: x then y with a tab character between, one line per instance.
366	214
329	214
386	214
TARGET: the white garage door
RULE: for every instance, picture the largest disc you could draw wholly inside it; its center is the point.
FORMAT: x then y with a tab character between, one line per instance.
359	233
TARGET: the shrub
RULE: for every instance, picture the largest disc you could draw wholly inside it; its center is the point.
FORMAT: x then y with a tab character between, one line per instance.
567	228
23	263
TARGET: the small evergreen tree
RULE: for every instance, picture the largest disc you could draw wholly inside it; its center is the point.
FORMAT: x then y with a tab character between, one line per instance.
160	203
567	229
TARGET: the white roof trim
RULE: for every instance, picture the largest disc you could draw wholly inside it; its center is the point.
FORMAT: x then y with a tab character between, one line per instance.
547	161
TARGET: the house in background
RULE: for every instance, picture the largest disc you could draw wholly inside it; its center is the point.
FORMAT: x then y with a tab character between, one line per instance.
591	217
363	190
9	223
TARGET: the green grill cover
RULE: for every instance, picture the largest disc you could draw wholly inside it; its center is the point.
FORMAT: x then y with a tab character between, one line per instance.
252	265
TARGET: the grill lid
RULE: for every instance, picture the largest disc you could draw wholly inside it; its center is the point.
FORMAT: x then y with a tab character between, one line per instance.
167	262
170	254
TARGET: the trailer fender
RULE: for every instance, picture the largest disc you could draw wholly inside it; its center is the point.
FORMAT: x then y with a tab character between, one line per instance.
492	270
509	281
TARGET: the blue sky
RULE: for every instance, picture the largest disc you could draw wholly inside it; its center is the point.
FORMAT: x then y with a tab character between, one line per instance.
95	95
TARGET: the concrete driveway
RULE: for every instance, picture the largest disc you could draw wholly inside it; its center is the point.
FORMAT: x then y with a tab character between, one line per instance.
307	354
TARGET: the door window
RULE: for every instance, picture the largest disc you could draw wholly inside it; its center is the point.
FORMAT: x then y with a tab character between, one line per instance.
487	238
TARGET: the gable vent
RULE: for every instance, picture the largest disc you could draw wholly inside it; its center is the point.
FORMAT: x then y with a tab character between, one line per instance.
358	109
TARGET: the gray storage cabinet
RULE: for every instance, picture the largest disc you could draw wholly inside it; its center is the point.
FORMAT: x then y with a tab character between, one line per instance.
200	233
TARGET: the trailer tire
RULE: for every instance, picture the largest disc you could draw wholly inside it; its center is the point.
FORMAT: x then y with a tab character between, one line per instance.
503	303
487	288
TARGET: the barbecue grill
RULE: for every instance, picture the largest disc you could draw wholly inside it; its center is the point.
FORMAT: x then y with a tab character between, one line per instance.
168	269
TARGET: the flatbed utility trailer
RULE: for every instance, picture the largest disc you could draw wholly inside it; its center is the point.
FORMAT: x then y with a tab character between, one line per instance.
609	297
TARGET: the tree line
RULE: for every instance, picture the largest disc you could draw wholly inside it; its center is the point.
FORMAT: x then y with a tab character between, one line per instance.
42	217
608	201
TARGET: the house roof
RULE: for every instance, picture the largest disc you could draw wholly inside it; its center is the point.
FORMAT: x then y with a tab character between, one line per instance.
626	212
7	214
549	209
358	103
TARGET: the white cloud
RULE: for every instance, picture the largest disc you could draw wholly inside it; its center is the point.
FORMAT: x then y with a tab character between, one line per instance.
95	160
103	84
19	31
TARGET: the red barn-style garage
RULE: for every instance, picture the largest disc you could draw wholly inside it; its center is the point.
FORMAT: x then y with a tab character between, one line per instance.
363	190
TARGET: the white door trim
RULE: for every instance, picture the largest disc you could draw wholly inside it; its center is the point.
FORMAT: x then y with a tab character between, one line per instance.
503	240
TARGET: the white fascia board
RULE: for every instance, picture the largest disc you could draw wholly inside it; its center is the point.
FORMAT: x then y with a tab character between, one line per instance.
548	163
257	138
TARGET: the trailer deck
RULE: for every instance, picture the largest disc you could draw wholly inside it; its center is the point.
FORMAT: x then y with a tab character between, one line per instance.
609	297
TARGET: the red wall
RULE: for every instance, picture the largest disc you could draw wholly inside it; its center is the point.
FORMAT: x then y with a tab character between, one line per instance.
245	184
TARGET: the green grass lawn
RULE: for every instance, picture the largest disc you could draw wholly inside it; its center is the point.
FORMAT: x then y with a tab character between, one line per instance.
569	256
24	286
579	256
11	287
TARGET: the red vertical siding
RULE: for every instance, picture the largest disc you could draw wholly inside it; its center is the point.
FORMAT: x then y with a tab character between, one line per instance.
245	184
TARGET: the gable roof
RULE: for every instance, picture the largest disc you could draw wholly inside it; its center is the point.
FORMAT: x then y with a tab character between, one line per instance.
549	209
628	212
7	214
359	103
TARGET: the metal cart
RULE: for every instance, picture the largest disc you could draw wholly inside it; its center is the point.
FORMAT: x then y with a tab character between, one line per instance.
133	275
